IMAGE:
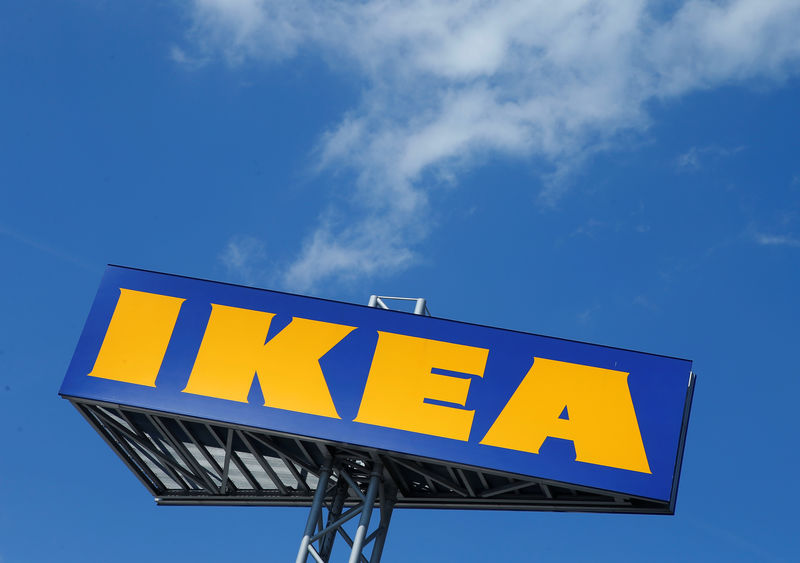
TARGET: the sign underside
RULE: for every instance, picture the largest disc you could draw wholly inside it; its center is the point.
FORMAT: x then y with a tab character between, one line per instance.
186	461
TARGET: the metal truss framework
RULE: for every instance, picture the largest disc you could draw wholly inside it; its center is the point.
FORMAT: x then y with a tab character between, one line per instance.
190	461
185	460
345	472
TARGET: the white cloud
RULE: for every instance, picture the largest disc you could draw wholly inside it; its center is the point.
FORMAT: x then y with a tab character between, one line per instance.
245	259
367	247
776	240
181	57
696	157
450	83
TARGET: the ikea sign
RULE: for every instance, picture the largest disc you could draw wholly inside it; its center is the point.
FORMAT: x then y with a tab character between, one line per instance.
532	405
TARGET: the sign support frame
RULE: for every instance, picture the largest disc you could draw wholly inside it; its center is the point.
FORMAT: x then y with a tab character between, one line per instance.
381	488
205	448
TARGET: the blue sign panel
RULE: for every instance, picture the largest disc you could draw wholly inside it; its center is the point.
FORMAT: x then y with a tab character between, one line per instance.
536	406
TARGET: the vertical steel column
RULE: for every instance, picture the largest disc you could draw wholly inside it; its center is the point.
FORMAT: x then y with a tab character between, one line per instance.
388	498
363	524
313	516
326	543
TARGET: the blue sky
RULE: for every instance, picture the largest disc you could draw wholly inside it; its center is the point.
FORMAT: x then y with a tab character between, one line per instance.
624	173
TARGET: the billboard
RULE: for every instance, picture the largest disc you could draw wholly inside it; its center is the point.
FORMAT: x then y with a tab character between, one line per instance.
474	396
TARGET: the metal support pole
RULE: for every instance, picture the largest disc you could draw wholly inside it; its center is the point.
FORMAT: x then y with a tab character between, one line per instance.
335	512
388	498
350	476
316	510
369	502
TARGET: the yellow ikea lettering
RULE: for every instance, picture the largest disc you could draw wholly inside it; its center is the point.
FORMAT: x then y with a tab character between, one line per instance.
400	380
233	353
400	386
602	422
137	337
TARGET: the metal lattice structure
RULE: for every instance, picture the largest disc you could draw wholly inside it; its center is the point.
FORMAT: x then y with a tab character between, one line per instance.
185	461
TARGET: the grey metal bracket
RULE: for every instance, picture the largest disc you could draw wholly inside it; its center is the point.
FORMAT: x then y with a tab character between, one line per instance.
379	302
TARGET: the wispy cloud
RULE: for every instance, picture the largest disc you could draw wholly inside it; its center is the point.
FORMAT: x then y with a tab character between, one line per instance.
45	248
776	240
181	57
369	246
587	314
645	303
245	259
697	157
589	228
735	540
450	84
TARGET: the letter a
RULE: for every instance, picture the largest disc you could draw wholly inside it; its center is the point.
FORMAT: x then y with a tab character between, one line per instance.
602	422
